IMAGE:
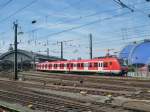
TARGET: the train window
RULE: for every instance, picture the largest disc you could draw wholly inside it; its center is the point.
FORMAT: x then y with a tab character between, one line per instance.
101	64
42	66
85	64
82	65
61	65
78	65
95	64
50	65
105	64
46	66
90	64
74	65
110	63
71	65
55	65
64	65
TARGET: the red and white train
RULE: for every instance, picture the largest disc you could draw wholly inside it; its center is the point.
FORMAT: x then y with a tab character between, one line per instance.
104	65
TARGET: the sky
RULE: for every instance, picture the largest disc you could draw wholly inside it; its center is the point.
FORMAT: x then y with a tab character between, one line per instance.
71	21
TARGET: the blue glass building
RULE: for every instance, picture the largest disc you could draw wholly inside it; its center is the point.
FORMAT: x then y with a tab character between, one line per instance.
136	53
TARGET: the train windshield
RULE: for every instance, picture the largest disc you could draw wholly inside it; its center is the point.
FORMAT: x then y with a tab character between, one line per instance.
123	62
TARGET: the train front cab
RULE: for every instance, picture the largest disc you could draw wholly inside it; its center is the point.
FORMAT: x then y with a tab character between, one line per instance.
112	66
123	67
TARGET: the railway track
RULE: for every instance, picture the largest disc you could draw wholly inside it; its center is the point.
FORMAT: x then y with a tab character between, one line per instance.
90	78
131	83
103	87
94	76
41	102
15	92
70	89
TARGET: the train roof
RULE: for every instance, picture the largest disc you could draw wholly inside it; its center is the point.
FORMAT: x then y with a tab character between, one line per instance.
84	60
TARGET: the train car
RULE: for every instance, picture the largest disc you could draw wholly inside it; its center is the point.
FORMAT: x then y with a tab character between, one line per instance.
104	65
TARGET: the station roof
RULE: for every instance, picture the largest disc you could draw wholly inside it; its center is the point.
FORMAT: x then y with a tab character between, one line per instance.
27	55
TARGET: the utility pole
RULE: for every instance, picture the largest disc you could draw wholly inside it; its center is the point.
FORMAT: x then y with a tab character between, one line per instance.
91	47
15	49
21	64
61	49
47	51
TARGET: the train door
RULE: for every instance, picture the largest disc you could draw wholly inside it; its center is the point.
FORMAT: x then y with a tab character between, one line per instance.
55	66
86	66
69	66
105	66
100	66
50	66
74	66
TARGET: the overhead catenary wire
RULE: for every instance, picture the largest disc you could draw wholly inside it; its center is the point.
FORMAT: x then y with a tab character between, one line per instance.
59	21
87	24
63	9
5	4
17	11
